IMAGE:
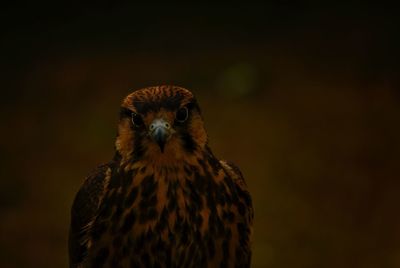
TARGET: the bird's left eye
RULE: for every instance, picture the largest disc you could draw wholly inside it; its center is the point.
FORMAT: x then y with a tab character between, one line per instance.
182	114
136	120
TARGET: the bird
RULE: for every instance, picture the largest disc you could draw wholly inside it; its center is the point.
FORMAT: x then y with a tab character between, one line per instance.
164	200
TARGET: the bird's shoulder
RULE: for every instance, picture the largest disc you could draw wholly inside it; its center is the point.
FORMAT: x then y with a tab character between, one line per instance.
242	191
84	209
234	172
88	197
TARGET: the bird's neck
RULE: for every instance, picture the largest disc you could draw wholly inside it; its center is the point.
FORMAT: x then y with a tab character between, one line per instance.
168	165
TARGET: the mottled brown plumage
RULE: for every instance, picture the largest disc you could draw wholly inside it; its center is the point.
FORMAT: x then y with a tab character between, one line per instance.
164	200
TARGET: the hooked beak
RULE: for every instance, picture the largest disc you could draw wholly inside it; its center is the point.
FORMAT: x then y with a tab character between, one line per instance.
160	131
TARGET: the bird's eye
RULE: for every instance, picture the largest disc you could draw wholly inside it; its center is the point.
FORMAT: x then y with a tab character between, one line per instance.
136	120
182	114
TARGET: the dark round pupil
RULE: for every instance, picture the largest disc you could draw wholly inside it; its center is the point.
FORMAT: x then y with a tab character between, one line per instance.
136	119
182	114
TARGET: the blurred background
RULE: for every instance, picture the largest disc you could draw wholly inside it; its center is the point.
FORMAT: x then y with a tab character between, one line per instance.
304	98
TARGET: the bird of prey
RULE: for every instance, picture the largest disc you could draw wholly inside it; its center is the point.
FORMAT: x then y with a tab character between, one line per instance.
164	200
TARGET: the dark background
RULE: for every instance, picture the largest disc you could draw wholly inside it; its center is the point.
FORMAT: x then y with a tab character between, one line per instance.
304	98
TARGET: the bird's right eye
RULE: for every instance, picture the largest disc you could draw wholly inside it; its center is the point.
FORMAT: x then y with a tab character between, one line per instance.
136	120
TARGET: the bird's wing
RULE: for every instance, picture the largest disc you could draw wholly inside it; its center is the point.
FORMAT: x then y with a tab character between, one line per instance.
241	188
245	209
83	212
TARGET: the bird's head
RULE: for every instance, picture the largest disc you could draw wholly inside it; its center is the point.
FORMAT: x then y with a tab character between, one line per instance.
160	123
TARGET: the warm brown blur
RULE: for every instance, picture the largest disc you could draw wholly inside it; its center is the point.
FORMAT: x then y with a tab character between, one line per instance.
306	102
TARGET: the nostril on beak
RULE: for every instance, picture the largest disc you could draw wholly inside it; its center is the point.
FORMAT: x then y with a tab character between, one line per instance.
159	123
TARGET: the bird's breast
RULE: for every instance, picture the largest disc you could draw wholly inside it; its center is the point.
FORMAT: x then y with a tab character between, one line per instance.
176	214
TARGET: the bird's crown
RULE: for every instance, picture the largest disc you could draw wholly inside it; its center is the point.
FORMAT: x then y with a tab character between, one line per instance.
157	97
